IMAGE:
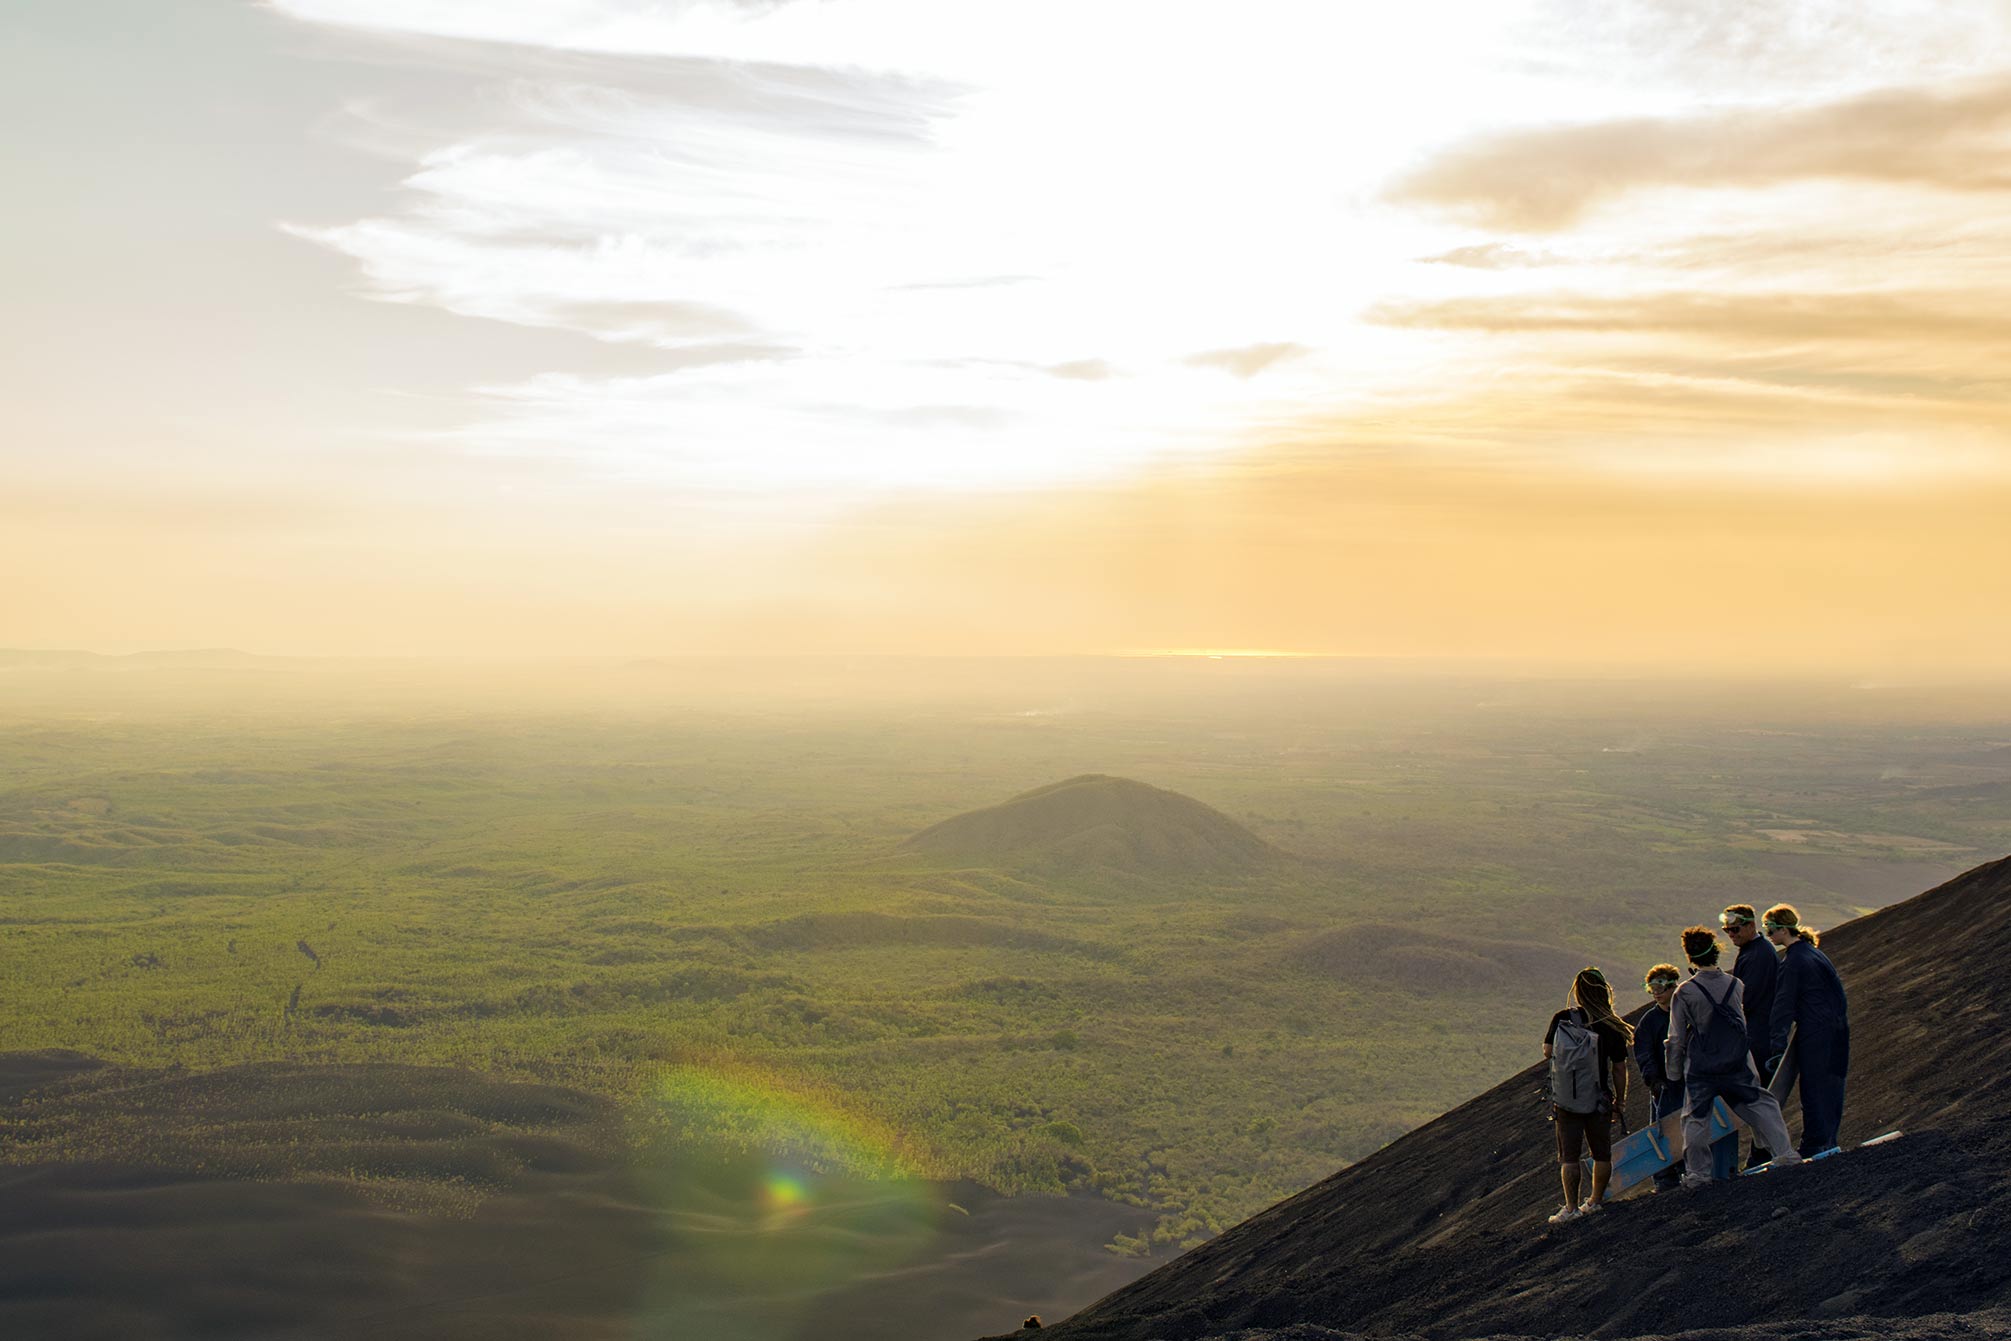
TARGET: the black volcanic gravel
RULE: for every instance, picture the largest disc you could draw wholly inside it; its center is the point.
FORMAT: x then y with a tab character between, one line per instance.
1442	1234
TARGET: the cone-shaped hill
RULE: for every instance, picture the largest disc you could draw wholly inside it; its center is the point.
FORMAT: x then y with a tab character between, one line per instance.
1442	1234
1095	822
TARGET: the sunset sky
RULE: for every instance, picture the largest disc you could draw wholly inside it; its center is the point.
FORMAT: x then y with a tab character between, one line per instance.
1670	334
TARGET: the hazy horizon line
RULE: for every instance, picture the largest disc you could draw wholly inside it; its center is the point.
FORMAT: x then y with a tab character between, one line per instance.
1858	676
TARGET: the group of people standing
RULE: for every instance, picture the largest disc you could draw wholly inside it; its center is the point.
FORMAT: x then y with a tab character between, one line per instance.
1715	1035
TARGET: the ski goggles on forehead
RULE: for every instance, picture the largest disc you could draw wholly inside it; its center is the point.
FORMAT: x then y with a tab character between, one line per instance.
1661	984
1772	926
1731	922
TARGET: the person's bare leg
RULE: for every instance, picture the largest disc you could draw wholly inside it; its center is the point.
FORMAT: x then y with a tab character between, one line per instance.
1602	1173
1569	1174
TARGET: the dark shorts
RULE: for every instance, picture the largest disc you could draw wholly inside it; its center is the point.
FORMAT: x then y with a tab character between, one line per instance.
1576	1131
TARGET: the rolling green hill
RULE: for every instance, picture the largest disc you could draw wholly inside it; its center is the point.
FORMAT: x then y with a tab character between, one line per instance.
1100	823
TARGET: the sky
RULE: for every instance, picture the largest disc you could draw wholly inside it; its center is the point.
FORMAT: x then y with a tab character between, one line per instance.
1664	334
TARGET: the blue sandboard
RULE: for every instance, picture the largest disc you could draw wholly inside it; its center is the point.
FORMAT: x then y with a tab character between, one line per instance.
1836	1150
1639	1156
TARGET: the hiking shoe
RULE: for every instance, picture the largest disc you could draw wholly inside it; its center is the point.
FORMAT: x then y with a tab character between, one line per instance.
1565	1214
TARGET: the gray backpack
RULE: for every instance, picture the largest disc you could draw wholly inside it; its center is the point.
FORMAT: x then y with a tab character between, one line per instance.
1574	1066
1719	1047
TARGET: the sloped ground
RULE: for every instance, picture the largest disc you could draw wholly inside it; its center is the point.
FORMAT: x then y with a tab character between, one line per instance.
291	1201
1441	1235
283	1200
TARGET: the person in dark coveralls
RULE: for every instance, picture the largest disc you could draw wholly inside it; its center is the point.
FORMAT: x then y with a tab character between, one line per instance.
1709	1048
1809	1001
1757	967
1665	1093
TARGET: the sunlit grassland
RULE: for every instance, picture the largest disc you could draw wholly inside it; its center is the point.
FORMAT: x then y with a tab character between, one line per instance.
607	899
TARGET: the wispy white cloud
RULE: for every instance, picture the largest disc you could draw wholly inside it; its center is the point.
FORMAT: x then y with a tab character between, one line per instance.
887	188
919	244
841	427
1249	360
1728	49
1493	256
1545	179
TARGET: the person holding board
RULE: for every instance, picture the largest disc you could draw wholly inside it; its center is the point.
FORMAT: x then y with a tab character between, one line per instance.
1710	1050
1756	968
1811	1009
1665	1092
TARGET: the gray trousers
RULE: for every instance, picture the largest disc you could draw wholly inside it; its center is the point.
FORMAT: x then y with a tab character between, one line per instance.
1743	1095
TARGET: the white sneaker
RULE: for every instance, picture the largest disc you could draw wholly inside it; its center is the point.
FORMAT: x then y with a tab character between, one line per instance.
1691	1181
1786	1160
1592	1208
1565	1214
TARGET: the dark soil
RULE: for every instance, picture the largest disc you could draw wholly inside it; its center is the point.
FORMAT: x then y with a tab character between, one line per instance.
1442	1234
288	1201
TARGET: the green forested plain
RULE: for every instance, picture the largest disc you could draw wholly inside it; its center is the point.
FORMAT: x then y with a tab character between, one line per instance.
699	902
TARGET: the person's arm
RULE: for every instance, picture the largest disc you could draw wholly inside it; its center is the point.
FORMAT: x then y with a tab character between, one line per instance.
1648	1056
1675	1052
1754	976
1618	1059
1787	1001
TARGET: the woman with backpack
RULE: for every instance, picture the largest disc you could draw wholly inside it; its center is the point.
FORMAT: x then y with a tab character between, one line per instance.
1709	1049
1810	1006
1586	1046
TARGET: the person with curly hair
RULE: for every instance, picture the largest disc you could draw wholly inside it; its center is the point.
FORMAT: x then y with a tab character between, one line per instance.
1665	1092
1709	1048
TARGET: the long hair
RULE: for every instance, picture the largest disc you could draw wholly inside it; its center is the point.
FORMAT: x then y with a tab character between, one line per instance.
1783	917
1591	994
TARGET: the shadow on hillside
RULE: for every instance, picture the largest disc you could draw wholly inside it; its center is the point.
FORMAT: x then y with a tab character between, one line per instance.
299	1201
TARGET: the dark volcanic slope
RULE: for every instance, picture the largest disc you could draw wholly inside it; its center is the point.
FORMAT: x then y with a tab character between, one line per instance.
1442	1233
1099	822
278	1200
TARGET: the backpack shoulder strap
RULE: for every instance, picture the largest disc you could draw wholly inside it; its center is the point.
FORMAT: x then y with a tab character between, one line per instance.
1723	1004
